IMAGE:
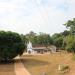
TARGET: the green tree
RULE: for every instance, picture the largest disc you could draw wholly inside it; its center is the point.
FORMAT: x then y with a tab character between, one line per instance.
70	43
41	39
25	39
65	33
30	36
44	39
70	24
11	45
58	40
69	40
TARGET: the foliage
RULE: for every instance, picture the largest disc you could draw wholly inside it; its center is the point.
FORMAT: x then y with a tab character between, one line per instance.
45	39
71	25
65	33
25	39
64	68
41	39
11	45
69	36
70	43
58	40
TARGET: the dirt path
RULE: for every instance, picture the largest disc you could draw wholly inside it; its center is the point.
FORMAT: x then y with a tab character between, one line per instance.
20	69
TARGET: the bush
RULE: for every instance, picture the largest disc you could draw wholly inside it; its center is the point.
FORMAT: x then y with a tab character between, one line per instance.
64	68
11	45
70	43
58	42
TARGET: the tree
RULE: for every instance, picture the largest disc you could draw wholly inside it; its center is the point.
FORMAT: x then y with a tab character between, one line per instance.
70	43
69	40
44	39
41	39
25	39
58	40
71	25
30	36
65	33
11	45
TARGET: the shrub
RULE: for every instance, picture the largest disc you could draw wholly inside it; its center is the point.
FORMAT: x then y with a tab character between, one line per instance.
70	43
11	45
64	68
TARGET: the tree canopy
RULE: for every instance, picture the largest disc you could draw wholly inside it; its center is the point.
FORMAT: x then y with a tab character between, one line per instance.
39	39
11	45
71	25
70	39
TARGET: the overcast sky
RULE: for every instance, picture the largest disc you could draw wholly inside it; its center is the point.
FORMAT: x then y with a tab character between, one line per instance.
46	16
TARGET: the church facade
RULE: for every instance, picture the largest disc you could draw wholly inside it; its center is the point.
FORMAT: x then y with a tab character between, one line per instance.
40	49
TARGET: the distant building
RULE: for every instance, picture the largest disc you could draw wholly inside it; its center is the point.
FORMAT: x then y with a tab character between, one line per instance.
29	47
53	48
40	49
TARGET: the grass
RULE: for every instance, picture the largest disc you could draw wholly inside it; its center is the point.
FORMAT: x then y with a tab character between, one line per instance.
7	68
48	63
73	57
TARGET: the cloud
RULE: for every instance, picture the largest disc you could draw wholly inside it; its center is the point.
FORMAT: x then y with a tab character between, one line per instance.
38	15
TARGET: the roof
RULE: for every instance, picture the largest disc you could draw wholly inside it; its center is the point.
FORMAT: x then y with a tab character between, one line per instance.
39	48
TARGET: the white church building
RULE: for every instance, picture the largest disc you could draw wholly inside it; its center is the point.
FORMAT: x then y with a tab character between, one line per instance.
41	50
30	48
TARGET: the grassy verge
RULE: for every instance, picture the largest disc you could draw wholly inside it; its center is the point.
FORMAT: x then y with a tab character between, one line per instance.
41	64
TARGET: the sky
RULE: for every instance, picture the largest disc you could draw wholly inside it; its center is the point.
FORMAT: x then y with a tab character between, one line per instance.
47	16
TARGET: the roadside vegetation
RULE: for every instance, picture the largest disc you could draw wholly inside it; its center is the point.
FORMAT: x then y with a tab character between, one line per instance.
11	45
63	41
